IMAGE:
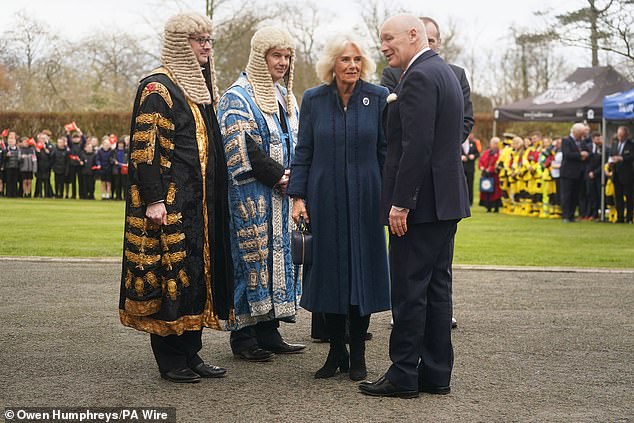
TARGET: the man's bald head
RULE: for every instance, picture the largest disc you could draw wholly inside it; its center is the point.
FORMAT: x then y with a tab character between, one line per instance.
578	130
402	37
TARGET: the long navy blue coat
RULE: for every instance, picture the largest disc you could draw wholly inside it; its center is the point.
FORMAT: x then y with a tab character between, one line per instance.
337	169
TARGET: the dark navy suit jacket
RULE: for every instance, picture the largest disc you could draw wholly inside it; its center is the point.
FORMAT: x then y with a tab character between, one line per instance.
572	166
423	169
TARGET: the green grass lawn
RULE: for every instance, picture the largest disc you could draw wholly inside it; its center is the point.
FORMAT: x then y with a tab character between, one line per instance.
76	228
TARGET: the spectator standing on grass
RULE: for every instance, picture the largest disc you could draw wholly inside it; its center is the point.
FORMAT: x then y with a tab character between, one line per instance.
103	163
572	170
548	187
622	159
88	172
12	165
119	171
28	165
556	174
487	165
44	153
2	152
75	145
61	163
593	176
470	155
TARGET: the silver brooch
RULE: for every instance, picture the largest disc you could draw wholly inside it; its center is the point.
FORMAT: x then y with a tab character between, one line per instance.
366	101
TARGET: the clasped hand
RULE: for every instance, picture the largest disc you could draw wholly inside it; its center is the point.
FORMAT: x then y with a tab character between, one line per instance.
398	221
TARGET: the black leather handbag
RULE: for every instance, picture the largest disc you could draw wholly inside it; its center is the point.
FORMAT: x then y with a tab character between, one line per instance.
302	243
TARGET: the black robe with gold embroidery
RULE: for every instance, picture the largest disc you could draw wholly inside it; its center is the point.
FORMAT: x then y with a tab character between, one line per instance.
176	277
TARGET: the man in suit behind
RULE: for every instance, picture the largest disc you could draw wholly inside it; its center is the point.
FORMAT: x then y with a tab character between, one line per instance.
573	165
622	159
424	197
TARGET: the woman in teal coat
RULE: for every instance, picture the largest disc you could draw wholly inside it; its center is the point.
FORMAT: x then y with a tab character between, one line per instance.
335	184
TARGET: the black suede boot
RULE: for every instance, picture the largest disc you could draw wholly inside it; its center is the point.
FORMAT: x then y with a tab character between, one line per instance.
358	329
338	355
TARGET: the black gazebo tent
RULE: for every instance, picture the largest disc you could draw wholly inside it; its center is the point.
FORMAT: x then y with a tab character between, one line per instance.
579	97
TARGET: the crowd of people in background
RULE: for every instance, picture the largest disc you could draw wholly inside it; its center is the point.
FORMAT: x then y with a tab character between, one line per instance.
557	177
67	168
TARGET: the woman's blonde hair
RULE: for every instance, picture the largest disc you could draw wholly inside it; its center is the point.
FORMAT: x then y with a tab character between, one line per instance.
325	66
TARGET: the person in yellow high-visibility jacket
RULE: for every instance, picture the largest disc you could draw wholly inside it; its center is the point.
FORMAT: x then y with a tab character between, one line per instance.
609	194
503	166
548	185
516	180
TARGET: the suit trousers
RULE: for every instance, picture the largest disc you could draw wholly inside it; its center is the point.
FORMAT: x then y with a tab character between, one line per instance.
470	177
420	268
263	334
623	190
177	351
570	191
593	189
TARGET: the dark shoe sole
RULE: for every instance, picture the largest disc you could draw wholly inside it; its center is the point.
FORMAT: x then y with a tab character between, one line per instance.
254	360
404	395
180	380
435	391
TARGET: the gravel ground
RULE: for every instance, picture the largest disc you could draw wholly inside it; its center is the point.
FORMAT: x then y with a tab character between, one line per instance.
530	346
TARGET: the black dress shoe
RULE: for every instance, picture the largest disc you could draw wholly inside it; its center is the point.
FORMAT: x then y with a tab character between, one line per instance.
255	354
207	370
384	388
438	390
285	348
185	375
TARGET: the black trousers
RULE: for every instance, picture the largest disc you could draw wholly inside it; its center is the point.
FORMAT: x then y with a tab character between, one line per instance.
60	180
177	351
89	186
43	185
420	268
12	180
262	334
117	187
570	191
73	175
623	190
593	189
469	176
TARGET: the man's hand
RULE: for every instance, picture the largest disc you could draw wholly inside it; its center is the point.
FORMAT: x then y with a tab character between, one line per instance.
299	210
464	158
157	213
398	221
584	155
282	184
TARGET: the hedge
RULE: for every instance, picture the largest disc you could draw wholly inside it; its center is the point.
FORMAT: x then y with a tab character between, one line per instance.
91	123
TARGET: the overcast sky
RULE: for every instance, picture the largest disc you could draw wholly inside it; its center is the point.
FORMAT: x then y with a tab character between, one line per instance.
484	21
481	25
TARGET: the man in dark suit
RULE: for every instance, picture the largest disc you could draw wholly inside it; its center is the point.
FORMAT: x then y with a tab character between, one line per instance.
424	197
391	75
573	166
623	174
593	176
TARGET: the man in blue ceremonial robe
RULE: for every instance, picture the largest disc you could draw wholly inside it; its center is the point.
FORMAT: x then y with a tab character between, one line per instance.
258	121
